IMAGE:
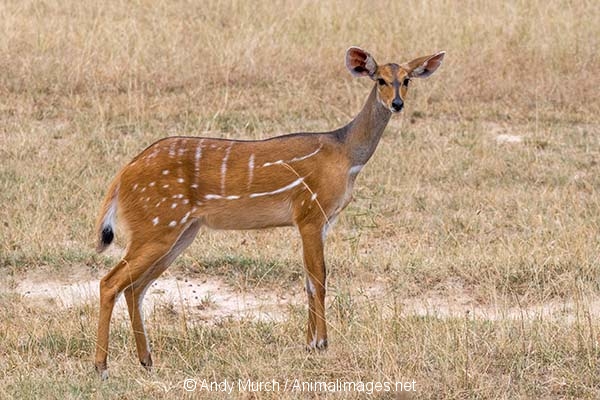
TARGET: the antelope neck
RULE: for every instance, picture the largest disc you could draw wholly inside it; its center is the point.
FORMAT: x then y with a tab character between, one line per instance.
362	134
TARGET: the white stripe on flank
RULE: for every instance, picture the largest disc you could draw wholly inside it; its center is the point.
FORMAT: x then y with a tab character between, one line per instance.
283	189
268	164
295	159
307	156
219	197
250	169
197	157
224	168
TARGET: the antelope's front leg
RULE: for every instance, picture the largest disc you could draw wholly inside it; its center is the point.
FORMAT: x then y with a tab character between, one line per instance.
314	265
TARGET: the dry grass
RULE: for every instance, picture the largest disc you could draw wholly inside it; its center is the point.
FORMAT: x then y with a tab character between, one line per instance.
444	209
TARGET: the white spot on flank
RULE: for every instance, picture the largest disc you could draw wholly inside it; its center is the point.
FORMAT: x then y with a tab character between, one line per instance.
280	190
185	217
155	221
134	186
177	196
185	201
165	186
143	189
154	153
180	180
172	224
165	172
152	184
173	205
194	186
313	197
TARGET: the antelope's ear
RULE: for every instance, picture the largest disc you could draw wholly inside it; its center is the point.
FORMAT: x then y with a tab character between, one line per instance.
423	67
360	63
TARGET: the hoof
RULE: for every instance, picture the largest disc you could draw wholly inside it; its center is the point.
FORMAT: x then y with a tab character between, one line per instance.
320	344
102	371
104	375
147	363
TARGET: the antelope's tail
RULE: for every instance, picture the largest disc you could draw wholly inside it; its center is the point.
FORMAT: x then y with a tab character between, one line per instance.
105	223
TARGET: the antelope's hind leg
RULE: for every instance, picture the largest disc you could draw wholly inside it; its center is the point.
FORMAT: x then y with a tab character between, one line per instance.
142	264
135	293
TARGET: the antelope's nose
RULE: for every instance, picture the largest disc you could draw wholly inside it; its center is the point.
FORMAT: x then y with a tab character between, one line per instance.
397	104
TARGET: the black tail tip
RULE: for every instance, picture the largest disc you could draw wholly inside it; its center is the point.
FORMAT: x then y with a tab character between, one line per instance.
107	236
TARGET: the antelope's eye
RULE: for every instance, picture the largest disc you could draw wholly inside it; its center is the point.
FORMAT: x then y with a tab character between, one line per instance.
405	83
381	81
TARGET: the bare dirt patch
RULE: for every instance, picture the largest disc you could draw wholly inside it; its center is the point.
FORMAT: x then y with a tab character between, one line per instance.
209	299
203	299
